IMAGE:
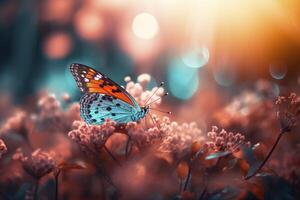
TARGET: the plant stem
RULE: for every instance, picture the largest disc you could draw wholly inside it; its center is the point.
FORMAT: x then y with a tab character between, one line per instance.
203	193
36	189
112	156
267	157
180	185
188	177
56	184
127	147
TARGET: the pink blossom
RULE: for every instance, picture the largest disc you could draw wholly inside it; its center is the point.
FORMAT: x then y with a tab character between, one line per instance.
142	137
15	123
289	111
225	141
91	137
139	90
49	106
179	137
38	164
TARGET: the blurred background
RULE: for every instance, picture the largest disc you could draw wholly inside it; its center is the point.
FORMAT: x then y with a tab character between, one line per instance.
205	50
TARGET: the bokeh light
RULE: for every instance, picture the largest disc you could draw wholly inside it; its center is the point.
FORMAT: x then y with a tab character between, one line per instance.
278	71
57	11
145	26
275	89
224	76
196	57
183	81
57	45
89	24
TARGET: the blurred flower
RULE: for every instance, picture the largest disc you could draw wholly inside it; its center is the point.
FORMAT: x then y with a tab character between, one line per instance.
72	113
52	118
3	148
49	106
91	138
139	90
38	164
223	141
15	123
289	111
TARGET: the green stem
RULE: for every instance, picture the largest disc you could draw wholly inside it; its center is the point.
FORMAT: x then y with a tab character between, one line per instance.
56	184
188	177
267	157
36	189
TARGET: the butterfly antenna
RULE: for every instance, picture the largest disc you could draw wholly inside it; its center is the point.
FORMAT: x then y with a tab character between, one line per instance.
160	85
162	111
166	94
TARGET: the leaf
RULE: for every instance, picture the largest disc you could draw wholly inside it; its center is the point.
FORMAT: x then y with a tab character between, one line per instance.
247	154
70	166
182	170
217	155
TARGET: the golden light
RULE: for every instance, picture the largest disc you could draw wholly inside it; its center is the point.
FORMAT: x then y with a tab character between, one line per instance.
132	45
145	26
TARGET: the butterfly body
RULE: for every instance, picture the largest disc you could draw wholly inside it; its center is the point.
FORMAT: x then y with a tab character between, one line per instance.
104	98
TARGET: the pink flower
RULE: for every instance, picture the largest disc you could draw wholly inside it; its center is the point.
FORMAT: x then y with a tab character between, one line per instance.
91	137
38	164
165	136
3	148
16	123
141	137
177	137
225	141
49	106
289	111
139	90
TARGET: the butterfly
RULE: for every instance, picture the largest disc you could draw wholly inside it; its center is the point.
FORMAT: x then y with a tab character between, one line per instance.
103	98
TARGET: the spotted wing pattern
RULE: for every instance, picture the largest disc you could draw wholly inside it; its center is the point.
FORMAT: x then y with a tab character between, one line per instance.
95	108
91	81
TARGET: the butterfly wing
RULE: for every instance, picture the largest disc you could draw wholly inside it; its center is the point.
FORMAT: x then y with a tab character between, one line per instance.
91	81
95	108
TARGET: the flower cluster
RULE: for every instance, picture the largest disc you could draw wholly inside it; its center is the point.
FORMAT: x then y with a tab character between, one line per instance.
38	164
165	136
15	123
140	93
3	148
179	137
221	141
52	117
143	138
289	111
91	138
49	106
